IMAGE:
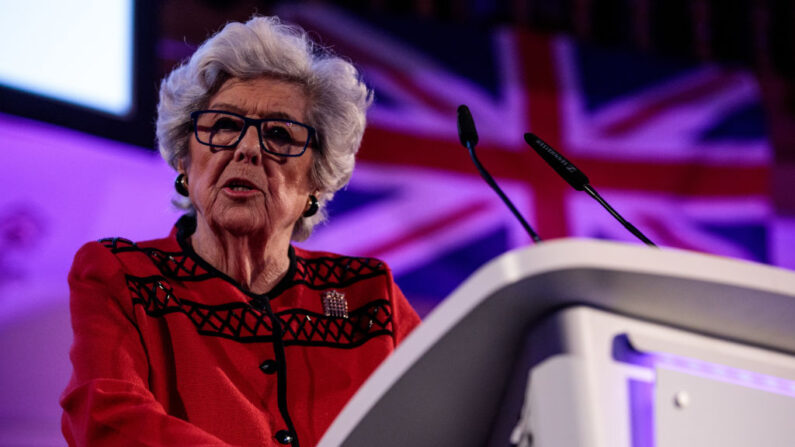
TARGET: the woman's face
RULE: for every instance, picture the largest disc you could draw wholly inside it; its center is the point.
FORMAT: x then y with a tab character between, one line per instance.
244	190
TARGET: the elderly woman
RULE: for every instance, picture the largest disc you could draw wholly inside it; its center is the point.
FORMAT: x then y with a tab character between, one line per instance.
223	333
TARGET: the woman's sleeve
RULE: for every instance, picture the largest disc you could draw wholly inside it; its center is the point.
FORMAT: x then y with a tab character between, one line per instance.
107	401
404	317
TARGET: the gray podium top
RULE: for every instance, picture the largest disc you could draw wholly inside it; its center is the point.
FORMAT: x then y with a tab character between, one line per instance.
444	384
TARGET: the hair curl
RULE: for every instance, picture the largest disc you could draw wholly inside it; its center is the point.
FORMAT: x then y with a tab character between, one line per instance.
267	47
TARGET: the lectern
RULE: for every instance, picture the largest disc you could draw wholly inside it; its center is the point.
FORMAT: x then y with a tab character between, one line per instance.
591	343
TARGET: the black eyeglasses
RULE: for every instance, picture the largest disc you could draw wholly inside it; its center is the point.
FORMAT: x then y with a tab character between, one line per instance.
221	129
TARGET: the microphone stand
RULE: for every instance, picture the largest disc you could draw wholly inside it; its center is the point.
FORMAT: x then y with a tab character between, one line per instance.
469	138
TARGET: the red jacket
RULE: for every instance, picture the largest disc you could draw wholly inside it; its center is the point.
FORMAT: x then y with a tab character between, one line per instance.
169	351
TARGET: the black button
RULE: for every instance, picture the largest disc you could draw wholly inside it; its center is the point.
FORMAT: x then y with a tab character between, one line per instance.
258	303
268	366
284	437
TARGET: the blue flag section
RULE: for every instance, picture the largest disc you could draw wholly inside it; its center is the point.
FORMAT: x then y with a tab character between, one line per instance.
680	150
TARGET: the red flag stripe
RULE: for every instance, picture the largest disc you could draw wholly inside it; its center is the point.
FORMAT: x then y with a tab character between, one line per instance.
385	146
440	224
697	92
538	71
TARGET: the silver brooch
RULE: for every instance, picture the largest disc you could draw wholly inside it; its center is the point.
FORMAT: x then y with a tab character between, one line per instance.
334	304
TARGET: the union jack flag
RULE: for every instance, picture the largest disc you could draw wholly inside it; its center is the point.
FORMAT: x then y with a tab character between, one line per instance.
680	150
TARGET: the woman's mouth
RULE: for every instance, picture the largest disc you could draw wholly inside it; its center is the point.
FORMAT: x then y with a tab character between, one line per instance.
240	187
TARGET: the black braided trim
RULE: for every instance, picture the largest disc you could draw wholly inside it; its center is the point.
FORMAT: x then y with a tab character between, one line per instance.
328	272
119	244
240	322
176	265
303	327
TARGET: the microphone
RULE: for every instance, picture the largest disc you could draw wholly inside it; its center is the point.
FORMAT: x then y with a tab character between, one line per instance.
578	180
469	138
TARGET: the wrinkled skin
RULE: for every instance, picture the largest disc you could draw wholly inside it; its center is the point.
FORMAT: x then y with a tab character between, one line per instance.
245	232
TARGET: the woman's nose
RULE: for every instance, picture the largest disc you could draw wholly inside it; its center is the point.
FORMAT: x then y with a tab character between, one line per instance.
248	148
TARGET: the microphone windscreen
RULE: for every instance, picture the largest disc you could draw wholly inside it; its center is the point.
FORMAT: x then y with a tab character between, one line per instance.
466	127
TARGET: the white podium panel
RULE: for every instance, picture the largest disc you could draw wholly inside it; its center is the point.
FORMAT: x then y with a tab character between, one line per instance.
722	413
593	381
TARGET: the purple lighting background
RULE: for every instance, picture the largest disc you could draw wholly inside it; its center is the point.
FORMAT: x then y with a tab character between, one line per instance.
683	150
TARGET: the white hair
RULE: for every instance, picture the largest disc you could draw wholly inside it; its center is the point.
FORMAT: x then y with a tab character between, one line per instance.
264	46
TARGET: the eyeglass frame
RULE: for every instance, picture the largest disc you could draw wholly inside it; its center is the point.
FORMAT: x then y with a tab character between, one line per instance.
248	122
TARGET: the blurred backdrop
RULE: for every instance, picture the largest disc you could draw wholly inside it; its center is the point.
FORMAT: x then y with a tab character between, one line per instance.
681	112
